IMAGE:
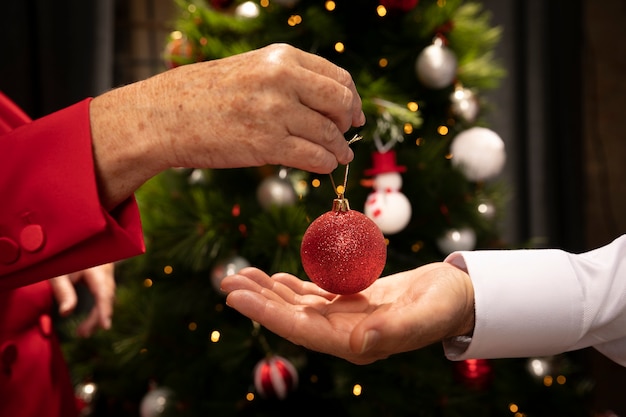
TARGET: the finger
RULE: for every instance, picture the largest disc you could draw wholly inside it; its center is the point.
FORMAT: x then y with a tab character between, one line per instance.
299	324
350	97
321	131
101	283
390	330
90	324
64	293
277	316
302	287
241	282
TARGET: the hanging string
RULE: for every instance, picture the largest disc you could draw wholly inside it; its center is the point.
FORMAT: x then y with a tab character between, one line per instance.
341	194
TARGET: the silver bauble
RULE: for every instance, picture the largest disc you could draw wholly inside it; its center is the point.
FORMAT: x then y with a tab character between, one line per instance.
463	104
157	402
276	191
436	66
457	240
225	268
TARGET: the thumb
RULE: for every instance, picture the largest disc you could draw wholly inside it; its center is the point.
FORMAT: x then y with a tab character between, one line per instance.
369	334
64	293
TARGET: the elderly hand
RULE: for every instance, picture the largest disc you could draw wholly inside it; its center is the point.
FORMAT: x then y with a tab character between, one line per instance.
398	313
275	105
100	281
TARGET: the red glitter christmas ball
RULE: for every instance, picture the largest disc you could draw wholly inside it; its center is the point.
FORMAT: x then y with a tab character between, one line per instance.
343	251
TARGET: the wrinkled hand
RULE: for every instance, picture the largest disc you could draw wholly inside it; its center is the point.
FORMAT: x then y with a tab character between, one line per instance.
275	105
100	281
398	313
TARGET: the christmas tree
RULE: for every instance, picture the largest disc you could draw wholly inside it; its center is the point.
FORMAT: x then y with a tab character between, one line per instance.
425	172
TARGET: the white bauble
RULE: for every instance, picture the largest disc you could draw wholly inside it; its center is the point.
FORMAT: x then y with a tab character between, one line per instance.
391	211
479	153
276	191
388	181
457	240
436	66
248	9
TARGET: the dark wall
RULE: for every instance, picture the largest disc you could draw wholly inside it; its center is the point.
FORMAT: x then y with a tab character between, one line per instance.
54	53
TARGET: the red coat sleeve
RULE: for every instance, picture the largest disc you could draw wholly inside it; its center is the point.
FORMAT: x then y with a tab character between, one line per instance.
51	220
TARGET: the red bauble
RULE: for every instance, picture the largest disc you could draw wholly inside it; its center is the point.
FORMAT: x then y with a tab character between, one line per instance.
275	377
401	5
178	52
343	251
474	373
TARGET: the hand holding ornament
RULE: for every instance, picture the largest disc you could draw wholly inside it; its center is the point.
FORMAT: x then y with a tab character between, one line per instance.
275	105
398	313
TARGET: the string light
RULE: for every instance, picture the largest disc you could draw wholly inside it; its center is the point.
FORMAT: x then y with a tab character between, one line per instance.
193	326
167	269
191	8
330	5
381	11
215	336
357	389
383	62
513	408
294	20
413	106
408	128
315	183
442	130
417	246
264	3
340	47
147	283
250	396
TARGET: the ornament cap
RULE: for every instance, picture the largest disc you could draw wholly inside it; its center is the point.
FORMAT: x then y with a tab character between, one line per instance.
341	204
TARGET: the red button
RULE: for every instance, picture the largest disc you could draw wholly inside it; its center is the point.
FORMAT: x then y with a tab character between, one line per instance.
45	325
9	251
32	237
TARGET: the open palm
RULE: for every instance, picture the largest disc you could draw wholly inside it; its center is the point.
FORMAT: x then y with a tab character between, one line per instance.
397	313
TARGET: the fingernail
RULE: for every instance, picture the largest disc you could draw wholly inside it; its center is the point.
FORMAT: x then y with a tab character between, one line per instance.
363	120
371	339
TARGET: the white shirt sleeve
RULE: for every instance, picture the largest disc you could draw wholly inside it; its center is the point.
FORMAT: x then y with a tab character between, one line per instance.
542	302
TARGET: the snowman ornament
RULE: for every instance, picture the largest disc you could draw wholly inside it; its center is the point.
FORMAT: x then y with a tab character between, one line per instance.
386	205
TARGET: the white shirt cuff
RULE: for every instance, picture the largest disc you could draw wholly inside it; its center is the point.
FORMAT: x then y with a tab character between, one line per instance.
525	304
